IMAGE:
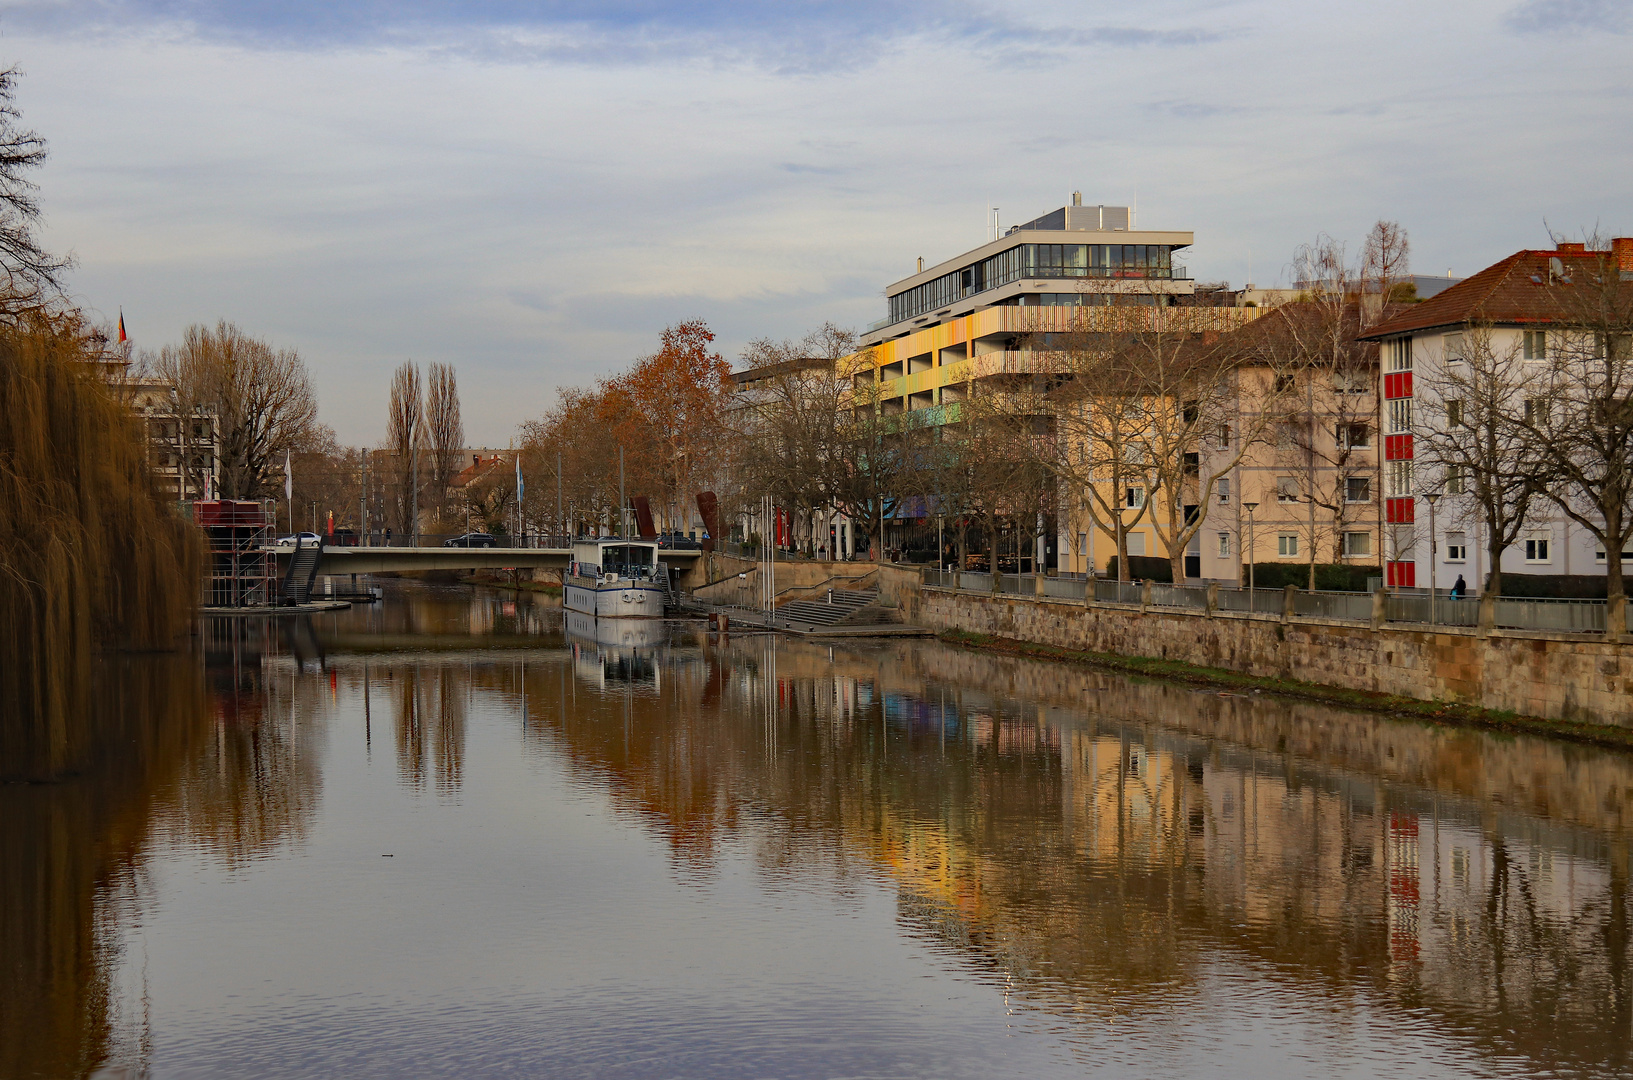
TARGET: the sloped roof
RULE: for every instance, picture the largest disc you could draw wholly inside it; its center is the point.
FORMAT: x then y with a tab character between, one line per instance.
1515	291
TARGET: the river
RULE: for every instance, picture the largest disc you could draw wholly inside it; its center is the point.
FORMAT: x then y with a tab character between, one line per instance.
447	835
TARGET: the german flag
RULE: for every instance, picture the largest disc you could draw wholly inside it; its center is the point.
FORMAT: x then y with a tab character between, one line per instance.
121	326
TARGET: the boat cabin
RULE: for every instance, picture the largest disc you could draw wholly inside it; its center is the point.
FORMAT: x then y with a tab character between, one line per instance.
615	560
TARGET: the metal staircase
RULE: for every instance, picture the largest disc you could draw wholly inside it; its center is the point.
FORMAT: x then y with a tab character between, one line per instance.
303	570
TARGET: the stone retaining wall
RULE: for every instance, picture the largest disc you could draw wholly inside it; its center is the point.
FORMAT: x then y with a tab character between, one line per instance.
1558	677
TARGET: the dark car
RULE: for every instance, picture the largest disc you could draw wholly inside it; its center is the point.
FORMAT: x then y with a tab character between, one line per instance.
472	540
678	541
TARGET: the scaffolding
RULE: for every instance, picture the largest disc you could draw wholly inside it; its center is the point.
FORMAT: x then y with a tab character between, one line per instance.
243	570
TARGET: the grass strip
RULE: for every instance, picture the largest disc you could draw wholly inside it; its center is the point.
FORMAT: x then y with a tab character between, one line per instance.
1450	714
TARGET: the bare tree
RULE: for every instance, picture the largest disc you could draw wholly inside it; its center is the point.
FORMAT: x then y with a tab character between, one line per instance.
1577	410
405	435
263	399
32	271
1488	469
1385	272
445	432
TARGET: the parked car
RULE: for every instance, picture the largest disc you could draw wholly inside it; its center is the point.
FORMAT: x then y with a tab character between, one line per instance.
287	543
472	540
677	540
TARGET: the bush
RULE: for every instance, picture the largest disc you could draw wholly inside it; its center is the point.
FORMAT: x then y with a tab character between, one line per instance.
1552	586
1144	568
1329	577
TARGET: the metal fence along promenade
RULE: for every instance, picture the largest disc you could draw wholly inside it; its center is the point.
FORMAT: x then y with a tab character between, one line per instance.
1415	607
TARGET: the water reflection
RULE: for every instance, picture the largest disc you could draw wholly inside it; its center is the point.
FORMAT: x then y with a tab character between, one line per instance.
1138	867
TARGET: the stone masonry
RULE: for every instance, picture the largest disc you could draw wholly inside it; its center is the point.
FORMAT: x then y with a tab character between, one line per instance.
1558	677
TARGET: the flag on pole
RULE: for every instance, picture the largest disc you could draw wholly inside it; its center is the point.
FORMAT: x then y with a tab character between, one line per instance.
520	487
121	326
289	481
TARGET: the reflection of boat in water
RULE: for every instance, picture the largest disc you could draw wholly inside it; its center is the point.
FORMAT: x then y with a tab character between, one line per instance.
614	579
615	651
645	634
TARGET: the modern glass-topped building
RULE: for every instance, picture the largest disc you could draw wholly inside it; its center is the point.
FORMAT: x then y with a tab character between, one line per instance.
1074	255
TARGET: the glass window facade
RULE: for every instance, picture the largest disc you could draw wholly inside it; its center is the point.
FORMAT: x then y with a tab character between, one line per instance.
1036	261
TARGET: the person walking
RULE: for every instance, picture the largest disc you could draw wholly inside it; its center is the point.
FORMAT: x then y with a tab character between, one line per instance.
1459	588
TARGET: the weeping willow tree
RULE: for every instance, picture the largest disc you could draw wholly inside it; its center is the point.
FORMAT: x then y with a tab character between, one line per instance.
91	556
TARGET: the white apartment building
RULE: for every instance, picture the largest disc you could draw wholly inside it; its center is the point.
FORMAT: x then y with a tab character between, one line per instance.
1512	309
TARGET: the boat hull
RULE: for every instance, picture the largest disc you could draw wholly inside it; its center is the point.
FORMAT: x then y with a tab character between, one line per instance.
617	600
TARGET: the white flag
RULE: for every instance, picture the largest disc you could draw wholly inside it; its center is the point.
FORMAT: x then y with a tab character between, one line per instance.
289	480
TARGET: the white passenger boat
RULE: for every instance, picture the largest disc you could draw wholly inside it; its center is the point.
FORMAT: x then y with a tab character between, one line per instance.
614	579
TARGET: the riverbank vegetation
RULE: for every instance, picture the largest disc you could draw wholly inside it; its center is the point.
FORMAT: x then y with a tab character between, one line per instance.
91	555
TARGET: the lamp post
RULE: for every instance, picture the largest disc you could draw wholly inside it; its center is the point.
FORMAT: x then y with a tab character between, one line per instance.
941	543
1250	507
1431	498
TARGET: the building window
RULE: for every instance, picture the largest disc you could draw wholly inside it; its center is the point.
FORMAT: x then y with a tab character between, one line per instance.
1454	348
1286	489
1400	354
1354	436
1536	345
1224	545
1357	489
1536	548
1286	544
1135	542
1400	479
1456	479
1224	489
1599	555
1351	381
1222	437
1400	416
1357	543
1134	498
1536	411
1083	544
1454	413
1457	547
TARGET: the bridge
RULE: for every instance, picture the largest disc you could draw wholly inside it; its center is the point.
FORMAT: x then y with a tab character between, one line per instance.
337	561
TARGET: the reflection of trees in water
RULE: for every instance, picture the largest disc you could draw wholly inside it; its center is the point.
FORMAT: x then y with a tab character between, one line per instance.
175	763
1097	846
429	703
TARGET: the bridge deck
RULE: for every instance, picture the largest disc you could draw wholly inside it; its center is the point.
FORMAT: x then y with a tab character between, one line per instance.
380	560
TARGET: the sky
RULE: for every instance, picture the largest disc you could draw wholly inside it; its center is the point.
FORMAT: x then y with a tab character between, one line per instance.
532	191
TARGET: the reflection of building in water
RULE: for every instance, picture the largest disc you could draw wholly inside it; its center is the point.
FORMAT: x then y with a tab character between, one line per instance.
1103	855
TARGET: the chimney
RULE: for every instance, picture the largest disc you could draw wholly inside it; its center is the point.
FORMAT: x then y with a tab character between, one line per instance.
1622	247
921	264
1077	198
1565	245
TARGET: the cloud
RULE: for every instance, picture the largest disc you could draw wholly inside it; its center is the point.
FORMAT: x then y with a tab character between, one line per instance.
1561	16
791	38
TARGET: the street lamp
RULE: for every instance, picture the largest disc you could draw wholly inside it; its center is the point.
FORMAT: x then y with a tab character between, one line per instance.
1431	498
1250	507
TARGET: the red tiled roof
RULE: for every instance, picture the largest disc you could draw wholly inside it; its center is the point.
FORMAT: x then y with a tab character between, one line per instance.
1513	291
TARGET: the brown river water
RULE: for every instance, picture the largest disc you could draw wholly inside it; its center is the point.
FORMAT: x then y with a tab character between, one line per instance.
448	835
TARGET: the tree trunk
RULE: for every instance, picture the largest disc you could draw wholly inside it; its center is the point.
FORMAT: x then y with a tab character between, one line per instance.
1494	584
997	572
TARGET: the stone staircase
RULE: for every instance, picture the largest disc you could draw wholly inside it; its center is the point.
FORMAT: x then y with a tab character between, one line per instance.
838	608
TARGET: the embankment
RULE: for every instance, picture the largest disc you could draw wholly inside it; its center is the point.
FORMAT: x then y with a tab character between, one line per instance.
1574	679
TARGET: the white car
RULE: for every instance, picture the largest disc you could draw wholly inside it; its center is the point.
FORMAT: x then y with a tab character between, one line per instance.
287	543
